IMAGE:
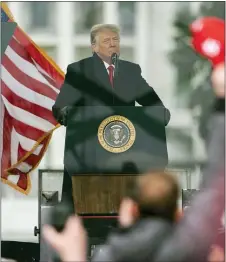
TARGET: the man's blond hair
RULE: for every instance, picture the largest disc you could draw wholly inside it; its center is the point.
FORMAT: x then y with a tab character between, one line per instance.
101	27
156	194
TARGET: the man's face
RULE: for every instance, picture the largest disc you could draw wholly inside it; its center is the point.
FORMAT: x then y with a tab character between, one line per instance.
107	43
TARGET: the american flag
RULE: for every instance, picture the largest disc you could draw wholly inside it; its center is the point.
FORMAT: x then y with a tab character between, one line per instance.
30	83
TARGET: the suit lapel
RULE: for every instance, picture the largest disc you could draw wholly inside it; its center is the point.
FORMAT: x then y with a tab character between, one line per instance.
100	72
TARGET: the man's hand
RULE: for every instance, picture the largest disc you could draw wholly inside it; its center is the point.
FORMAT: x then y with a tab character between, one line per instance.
216	254
71	243
218	82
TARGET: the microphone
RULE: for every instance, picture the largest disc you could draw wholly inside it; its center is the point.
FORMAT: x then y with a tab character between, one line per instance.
114	61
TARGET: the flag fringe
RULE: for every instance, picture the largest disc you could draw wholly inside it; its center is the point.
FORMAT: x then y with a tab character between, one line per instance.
16	187
28	189
34	148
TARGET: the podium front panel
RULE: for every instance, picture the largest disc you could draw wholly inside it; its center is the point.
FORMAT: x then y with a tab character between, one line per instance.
140	130
99	194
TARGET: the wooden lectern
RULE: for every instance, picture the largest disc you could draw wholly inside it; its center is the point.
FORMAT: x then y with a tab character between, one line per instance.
99	194
106	148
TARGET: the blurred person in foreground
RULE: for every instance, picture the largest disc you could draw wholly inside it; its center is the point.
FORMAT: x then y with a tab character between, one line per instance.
150	228
156	237
153	195
209	41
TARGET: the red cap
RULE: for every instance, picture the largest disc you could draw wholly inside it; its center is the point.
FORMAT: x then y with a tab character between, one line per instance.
208	38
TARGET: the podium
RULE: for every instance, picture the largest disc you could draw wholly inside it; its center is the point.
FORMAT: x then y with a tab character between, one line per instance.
107	147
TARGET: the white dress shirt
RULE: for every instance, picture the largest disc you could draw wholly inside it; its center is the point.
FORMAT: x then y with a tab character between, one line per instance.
107	65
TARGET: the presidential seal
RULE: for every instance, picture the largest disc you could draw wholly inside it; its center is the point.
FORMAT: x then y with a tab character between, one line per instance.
116	134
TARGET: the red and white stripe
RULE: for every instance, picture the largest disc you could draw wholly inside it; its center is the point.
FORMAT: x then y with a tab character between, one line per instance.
29	87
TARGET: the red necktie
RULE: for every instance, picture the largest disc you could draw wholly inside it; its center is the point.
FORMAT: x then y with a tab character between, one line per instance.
111	70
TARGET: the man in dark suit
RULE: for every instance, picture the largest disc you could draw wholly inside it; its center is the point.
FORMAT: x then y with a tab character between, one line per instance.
97	81
92	81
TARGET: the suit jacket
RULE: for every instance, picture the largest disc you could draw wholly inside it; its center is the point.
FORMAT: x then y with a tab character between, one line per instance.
87	84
